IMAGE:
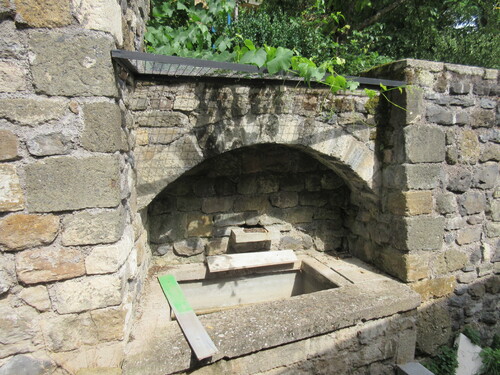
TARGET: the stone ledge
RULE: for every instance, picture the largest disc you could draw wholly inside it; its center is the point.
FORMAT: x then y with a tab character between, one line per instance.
252	328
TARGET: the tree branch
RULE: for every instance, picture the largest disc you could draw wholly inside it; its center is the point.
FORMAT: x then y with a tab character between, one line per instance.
373	19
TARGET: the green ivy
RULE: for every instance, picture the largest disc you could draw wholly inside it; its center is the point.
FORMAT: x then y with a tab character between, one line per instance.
194	29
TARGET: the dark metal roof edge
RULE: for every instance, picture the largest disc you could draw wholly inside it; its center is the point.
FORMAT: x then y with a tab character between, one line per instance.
120	54
124	57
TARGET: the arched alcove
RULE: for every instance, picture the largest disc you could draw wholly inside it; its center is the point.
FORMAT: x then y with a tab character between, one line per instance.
275	188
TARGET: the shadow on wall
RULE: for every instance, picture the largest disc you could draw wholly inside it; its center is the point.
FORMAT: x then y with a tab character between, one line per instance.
272	187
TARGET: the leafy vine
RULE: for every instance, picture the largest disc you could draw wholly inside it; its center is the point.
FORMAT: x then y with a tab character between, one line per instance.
184	28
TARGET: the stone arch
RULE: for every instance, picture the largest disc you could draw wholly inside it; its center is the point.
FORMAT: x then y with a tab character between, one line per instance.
159	164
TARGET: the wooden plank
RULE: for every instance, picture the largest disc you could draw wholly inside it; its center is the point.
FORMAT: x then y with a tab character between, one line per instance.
195	333
218	263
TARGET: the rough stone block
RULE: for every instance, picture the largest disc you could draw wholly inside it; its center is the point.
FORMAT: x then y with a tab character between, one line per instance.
293	182
163	119
471	202
422	176
89	293
460	87
459	179
419	233
49	264
248	184
204	188
8	145
485	176
104	356
469	235
17	328
37	297
186	102
110	323
468	146
68	332
493	230
102	130
424	144
11	194
188	203
449	261
217	246
20	231
410	203
72	64
217	204
12	43
495	210
12	77
189	247
267	184
49	144
199	225
7	272
315	199
251	203
435	288
490	152
44	13
88	228
229	219
406	267
284	199
65	183
446	203
101	15
299	214
483	118
440	115
26	364
31	112
108	259
168	228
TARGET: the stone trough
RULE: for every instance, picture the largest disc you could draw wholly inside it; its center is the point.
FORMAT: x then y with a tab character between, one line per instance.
334	294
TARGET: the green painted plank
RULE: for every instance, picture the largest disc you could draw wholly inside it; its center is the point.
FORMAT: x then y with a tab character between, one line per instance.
174	294
195	333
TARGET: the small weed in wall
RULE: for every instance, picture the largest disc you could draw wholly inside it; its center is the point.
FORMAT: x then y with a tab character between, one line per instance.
491	358
445	362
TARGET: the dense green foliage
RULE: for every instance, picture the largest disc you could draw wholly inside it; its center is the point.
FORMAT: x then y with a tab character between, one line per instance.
182	28
445	362
311	35
457	31
342	36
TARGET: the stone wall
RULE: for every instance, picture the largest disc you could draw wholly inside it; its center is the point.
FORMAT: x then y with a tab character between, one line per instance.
423	184
442	188
67	258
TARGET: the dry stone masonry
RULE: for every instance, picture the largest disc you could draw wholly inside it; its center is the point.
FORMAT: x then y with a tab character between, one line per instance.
67	262
105	178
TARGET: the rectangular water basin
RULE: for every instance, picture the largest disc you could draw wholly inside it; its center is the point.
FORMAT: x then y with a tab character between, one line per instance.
222	290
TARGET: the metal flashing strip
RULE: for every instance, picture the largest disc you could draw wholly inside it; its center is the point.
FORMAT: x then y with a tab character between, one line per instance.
142	64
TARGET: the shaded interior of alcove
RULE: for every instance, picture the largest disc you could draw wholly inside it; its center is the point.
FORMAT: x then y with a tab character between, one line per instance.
269	188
